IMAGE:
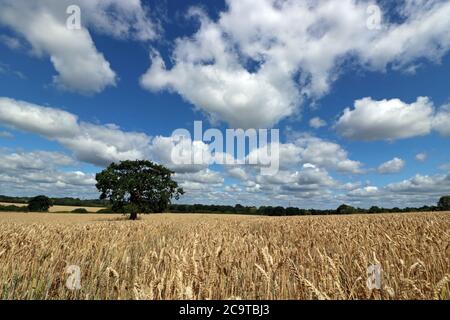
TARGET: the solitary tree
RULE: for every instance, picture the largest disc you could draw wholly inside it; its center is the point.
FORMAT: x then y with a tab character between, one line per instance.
39	204
137	187
444	203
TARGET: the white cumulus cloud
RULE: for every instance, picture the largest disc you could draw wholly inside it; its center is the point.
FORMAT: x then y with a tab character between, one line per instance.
96	144
392	166
80	66
102	144
254	65
386	119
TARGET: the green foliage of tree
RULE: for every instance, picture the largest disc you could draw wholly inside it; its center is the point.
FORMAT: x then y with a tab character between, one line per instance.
375	209
239	209
279	211
444	203
292	211
137	187
39	204
345	209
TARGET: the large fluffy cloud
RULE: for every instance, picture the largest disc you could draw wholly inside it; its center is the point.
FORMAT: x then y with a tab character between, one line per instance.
417	191
369	191
307	149
31	173
203	180
392	119
422	184
326	154
254	64
102	144
386	119
73	53
309	178
49	122
179	154
96	144
38	160
423	34
227	93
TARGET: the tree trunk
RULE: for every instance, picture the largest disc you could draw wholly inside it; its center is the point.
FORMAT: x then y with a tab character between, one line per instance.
133	216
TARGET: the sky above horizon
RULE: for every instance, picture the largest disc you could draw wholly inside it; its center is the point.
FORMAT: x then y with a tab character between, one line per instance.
361	100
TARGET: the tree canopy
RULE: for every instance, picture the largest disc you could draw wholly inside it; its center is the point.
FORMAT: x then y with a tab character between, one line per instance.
444	203
39	204
345	209
138	187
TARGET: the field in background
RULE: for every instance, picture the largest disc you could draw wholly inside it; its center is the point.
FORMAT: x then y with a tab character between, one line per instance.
224	257
55	208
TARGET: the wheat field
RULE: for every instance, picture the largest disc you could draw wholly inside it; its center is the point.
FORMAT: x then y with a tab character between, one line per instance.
224	257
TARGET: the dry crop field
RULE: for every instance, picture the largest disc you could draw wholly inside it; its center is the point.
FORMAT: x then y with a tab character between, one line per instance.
224	257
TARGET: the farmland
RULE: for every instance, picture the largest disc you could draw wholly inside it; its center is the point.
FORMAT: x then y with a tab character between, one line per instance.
167	256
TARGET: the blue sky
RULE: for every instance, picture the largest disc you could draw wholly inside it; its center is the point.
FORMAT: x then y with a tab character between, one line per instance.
72	101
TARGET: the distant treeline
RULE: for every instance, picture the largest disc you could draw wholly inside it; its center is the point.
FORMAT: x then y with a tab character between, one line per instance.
290	211
13	208
73	202
442	205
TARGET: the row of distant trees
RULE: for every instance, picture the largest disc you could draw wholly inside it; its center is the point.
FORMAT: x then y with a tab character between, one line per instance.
66	201
35	204
443	205
43	203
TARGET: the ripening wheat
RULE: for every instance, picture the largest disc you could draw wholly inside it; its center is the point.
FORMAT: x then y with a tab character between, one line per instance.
224	257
